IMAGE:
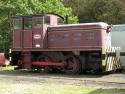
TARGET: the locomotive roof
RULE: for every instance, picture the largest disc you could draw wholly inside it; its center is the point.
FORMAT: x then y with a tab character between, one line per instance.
42	14
100	24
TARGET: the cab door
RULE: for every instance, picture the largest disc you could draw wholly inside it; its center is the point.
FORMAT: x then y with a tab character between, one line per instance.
27	32
17	32
37	31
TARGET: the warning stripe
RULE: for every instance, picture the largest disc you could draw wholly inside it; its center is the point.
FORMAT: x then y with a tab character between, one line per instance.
111	62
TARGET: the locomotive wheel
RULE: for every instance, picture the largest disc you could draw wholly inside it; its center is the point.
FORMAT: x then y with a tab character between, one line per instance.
47	58
43	58
73	65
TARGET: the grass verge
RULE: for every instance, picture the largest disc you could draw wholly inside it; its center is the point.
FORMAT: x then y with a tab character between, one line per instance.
7	68
55	89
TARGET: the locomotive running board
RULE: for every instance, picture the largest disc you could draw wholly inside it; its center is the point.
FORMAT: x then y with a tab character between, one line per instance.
48	63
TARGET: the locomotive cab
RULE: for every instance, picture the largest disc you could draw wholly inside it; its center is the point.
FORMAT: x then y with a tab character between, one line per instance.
29	31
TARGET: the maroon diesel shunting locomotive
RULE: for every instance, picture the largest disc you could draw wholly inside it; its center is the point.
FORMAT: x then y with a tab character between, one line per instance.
43	41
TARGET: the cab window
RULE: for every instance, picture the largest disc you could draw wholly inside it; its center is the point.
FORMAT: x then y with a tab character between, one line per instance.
47	19
27	23
38	23
17	24
59	21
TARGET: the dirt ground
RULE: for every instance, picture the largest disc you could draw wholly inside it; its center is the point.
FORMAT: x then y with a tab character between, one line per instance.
115	80
30	82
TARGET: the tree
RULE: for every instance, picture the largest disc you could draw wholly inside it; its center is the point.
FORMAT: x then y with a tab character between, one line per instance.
110	11
76	5
10	8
